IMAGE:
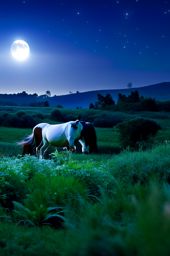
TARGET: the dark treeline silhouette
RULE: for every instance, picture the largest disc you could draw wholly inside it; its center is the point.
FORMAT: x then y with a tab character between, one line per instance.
25	99
132	102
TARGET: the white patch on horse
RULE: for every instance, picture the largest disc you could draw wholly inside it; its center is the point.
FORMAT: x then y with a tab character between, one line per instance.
60	135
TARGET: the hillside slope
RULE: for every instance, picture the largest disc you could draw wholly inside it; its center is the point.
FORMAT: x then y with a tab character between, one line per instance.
159	91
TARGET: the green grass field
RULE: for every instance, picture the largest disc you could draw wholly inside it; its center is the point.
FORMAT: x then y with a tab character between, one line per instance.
86	206
9	138
115	202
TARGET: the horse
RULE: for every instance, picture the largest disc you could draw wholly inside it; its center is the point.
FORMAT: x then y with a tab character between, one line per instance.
87	142
60	135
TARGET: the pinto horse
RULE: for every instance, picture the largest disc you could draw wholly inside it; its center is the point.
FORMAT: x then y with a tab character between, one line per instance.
87	143
45	135
60	135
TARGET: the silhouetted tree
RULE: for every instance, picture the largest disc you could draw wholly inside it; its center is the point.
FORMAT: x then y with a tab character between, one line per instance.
121	98
134	97
104	101
48	93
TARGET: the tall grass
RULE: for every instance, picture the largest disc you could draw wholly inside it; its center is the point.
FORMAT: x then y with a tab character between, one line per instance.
74	206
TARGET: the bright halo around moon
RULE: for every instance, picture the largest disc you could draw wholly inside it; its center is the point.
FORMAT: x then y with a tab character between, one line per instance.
20	50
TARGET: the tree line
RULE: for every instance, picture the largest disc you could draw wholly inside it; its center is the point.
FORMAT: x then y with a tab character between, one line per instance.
132	102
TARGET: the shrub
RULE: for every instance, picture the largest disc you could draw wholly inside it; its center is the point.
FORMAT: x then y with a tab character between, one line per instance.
56	115
136	133
19	120
149	104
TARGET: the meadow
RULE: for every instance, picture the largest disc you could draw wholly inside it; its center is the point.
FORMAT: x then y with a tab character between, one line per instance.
116	202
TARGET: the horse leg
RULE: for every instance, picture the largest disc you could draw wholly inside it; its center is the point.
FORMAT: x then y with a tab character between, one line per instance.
45	155
43	149
38	149
85	148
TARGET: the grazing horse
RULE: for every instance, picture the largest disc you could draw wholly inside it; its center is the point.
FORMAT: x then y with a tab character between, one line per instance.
60	135
87	143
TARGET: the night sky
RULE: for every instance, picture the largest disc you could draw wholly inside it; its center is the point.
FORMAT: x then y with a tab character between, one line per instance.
85	45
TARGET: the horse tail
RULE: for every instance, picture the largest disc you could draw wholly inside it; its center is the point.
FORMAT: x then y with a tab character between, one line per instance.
33	141
27	145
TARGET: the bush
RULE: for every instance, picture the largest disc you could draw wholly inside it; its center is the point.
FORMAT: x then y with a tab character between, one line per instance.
136	133
56	115
19	120
149	104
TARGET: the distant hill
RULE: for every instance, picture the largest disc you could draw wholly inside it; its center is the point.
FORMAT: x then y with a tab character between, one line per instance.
159	91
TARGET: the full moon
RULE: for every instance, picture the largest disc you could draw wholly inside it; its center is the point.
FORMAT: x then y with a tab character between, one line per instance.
20	50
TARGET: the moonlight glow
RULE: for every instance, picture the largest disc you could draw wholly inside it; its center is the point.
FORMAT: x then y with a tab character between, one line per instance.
20	50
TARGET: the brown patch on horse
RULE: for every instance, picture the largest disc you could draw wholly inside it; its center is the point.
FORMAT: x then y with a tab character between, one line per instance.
27	149
37	136
30	144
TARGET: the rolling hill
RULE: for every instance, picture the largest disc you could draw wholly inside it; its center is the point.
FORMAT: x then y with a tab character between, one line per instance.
159	91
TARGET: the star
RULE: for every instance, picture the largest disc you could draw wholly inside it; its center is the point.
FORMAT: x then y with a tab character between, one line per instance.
78	13
126	15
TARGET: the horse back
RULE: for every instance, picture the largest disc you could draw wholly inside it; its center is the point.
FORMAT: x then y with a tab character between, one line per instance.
54	134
